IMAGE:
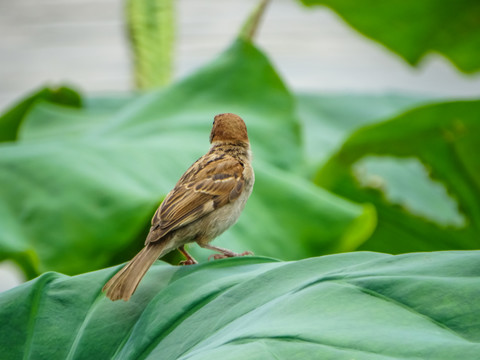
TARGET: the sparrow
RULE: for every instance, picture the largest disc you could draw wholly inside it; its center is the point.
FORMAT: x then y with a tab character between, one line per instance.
205	202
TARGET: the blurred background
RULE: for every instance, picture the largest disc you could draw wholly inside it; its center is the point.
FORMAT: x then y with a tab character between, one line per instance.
84	43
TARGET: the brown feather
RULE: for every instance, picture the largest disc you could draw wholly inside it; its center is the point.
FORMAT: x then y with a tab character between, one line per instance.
200	191
124	283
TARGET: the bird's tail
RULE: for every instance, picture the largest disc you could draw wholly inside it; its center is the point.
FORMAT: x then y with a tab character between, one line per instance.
123	284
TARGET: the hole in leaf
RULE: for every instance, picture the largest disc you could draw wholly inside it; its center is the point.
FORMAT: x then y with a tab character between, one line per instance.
10	275
405	181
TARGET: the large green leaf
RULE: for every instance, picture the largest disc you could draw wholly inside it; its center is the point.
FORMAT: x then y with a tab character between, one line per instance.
425	182
79	188
413	28
356	305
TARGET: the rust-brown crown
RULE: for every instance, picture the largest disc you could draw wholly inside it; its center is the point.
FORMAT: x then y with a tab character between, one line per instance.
228	127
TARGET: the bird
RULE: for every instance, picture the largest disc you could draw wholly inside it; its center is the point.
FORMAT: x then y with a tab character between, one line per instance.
206	201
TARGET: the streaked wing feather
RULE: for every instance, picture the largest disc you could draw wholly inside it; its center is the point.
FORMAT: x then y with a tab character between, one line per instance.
208	184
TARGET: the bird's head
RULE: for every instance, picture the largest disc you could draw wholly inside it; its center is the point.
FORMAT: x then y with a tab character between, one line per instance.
228	127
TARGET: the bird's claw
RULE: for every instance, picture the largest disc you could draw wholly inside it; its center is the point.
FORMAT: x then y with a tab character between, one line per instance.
188	262
217	256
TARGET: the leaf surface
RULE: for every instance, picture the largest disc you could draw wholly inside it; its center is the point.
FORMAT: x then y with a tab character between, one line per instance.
356	305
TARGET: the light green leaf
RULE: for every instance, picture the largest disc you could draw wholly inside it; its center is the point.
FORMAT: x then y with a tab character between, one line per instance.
414	28
356	305
151	28
393	176
444	138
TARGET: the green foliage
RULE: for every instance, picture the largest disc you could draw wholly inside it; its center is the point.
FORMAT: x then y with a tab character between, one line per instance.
444	138
12	119
80	186
328	119
357	305
151	28
413	28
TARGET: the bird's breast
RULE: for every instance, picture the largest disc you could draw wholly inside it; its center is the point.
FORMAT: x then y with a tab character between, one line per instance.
222	218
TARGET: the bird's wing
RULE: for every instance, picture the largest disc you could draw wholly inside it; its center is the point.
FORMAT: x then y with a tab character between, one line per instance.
209	184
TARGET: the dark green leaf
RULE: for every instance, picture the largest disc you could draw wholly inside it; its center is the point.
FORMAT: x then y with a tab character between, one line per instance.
439	140
413	28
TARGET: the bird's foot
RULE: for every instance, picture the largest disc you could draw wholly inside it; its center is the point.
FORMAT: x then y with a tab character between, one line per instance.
190	261
217	257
